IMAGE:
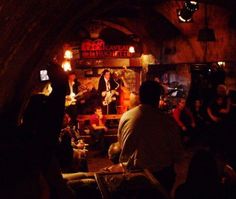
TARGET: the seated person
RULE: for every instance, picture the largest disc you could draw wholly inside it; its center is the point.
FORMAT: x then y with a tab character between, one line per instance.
97	121
114	156
203	180
72	154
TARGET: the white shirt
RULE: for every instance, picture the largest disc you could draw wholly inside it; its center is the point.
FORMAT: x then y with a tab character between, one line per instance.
108	86
150	136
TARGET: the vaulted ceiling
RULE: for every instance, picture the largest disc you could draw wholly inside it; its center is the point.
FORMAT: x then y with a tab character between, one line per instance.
32	31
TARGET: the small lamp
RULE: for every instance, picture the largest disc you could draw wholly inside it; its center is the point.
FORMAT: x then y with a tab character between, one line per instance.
131	49
206	34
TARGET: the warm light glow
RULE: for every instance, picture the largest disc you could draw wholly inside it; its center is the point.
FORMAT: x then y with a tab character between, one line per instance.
131	49
68	54
66	66
221	63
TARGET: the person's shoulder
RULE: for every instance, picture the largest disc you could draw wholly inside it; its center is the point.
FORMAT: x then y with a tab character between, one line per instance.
130	113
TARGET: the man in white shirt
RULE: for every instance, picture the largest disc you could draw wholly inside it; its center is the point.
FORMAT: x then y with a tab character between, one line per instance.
149	138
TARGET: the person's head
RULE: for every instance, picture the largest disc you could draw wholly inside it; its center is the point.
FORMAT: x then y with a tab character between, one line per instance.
98	110
181	103
149	92
114	152
203	169
107	74
197	103
221	90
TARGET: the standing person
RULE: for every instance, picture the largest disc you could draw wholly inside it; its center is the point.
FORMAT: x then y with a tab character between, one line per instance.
42	121
107	87
185	120
148	137
70	101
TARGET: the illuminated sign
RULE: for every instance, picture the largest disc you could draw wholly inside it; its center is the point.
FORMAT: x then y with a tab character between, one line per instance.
98	49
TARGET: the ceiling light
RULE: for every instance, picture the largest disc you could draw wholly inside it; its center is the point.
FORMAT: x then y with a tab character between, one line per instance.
191	5
184	15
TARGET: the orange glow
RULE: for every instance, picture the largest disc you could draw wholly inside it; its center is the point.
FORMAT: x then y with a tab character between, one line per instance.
68	54
66	66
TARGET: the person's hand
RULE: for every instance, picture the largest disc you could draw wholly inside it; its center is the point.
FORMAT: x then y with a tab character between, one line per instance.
114	168
184	128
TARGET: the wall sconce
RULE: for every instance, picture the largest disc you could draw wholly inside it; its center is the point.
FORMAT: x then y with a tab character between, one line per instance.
221	64
66	66
131	49
68	54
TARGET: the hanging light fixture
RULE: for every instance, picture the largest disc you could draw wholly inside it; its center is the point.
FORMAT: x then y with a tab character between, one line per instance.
191	5
184	15
206	33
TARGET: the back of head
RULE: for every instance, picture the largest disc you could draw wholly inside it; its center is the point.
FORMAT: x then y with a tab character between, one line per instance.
114	152
203	170
149	92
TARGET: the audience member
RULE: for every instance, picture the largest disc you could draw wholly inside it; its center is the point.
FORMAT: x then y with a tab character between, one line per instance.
42	123
185	120
201	120
70	99
97	122
203	180
218	111
149	138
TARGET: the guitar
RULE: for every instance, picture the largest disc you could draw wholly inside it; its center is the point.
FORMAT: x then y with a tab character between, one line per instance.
72	98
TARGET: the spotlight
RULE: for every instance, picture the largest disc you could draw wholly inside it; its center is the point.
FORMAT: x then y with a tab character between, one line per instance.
191	5
184	15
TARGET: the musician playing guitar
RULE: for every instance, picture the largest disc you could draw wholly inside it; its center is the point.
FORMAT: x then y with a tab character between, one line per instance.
107	90
70	100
